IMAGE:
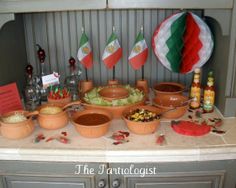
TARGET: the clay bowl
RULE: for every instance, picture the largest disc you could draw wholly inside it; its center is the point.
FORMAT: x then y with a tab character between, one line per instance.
142	128
54	116
60	102
168	88
174	105
112	93
16	130
92	123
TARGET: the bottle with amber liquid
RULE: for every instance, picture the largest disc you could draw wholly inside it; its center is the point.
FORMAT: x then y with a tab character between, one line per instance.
195	91
209	95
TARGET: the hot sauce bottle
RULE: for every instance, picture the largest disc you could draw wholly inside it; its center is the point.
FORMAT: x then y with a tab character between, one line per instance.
195	91
209	94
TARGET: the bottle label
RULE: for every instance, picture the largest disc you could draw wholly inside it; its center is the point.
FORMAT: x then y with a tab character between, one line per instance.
195	94
209	100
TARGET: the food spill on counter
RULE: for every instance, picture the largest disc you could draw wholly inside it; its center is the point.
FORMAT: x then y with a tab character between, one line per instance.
161	140
120	137
60	138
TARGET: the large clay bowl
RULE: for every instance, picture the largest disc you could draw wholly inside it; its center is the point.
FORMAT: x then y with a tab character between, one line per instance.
142	127
116	111
174	105
168	88
91	127
16	130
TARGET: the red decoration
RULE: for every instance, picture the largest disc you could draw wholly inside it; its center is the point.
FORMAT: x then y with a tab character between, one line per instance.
190	128
41	54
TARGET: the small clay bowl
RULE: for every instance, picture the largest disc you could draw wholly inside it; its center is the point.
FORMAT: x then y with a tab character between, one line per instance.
55	120
60	102
113	93
174	105
142	128
91	127
168	88
16	130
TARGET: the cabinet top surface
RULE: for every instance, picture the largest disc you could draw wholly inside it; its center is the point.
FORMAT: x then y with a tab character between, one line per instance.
139	148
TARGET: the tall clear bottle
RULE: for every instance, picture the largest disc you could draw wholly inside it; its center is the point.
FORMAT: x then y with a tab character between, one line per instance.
31	95
42	56
72	81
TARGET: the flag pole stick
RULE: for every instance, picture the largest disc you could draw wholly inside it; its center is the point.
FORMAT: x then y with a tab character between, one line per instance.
141	29
86	74
114	67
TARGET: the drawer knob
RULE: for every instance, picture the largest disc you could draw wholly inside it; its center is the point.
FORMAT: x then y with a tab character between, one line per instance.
101	183
116	183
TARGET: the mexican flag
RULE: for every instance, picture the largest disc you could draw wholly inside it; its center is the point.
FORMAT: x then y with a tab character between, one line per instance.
112	52
139	53
85	55
183	42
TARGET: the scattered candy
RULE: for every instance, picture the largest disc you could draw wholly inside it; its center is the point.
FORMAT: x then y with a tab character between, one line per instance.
50	139
64	133
160	139
63	140
120	137
39	137
218	131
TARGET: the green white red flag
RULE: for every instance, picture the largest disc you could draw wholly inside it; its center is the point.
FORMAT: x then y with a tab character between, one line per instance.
139	53
113	51
85	54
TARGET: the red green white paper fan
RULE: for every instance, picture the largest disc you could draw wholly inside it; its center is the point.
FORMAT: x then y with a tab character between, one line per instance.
183	42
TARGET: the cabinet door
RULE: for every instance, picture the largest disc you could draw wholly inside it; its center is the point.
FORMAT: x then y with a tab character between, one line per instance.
39	182
166	175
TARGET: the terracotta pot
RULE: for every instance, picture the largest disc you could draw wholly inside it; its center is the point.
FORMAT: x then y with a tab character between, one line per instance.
92	131
85	85
174	105
60	102
113	82
17	130
168	88
142	127
54	121
143	85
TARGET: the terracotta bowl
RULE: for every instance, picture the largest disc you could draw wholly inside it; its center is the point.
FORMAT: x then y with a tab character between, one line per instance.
142	127
92	127
168	88
174	105
57	120
60	102
16	130
112	93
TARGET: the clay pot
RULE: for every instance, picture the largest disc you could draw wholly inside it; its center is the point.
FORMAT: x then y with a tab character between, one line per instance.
174	105
168	88
143	85
112	93
92	131
85	85
17	130
113	82
54	121
142	127
60	102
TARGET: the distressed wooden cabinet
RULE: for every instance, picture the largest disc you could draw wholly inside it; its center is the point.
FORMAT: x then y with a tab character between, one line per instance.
207	174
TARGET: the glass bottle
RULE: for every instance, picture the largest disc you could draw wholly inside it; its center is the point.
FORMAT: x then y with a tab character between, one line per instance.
31	96
72	81
195	91
209	94
42	56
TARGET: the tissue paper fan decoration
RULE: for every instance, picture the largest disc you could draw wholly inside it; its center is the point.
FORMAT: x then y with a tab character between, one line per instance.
183	42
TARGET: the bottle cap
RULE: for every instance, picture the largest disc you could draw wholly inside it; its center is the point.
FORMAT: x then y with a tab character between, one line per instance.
197	70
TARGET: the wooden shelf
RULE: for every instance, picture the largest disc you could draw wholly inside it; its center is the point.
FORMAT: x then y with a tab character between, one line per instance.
169	4
17	6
